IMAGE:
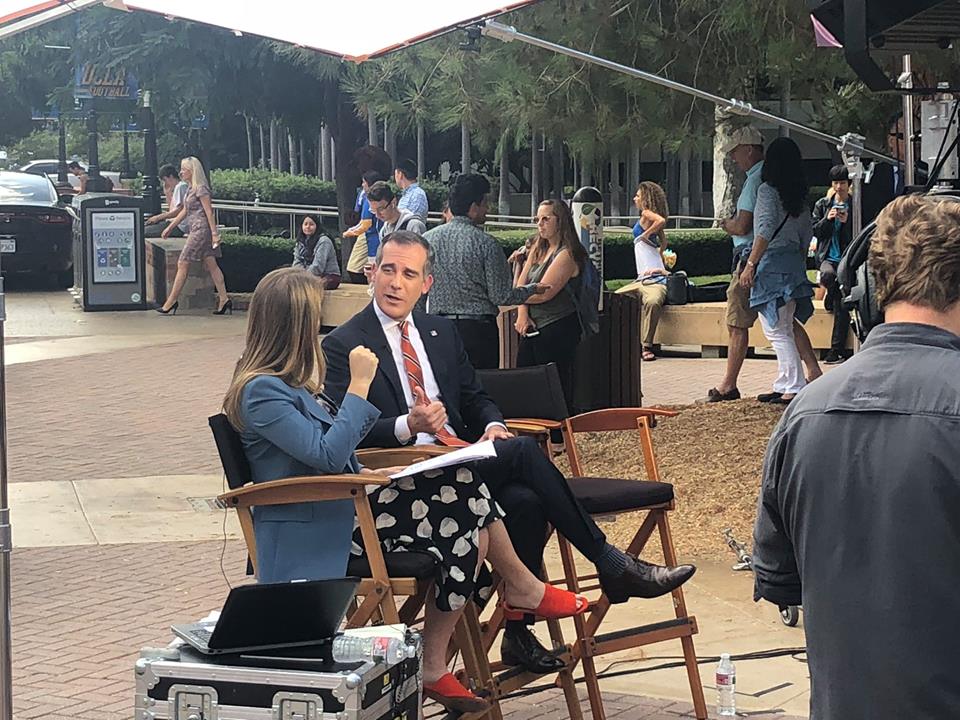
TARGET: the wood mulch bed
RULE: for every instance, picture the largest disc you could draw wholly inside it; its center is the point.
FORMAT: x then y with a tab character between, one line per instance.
713	455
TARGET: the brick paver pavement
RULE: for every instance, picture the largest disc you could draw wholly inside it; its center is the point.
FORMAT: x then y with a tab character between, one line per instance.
143	411
81	615
128	413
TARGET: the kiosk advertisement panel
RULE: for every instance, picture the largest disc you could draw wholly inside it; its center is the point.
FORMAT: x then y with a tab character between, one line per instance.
111	245
114	242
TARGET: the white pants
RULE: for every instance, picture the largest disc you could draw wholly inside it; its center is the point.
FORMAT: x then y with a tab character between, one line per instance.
790	379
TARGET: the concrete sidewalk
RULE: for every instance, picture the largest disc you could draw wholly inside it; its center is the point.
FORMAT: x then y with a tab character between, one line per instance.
112	468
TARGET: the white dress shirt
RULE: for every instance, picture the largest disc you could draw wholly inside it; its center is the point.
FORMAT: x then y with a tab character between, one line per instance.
391	328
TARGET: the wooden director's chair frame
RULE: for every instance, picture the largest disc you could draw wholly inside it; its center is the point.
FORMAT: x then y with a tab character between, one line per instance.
588	643
379	591
684	626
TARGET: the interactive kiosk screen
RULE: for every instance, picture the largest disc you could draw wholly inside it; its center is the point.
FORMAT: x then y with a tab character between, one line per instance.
114	246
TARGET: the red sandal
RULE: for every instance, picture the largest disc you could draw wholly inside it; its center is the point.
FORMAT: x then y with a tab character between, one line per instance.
448	691
556	603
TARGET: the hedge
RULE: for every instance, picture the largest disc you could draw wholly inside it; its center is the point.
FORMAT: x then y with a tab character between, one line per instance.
247	258
276	188
699	252
284	188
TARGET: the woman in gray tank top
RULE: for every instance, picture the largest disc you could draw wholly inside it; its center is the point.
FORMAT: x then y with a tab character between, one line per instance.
548	323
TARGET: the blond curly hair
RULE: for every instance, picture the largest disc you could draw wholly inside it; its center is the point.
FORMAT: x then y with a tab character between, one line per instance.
915	252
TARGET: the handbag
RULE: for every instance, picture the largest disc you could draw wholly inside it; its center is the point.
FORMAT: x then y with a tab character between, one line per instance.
678	288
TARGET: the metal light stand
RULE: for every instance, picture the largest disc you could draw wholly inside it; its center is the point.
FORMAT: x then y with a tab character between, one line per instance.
906	82
6	538
851	147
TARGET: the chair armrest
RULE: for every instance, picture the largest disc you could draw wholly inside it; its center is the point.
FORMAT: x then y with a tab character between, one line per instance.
374	458
541	422
662	412
527	428
308	488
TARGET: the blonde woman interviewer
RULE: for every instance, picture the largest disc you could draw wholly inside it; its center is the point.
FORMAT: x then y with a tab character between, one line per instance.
203	240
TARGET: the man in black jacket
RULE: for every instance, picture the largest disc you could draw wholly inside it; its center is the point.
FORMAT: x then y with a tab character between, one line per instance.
428	392
832	227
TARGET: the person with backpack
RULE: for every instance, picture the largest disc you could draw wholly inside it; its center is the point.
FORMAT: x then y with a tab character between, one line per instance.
549	324
384	204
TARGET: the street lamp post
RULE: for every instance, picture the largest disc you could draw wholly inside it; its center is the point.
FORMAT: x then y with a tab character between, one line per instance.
151	183
62	179
95	182
6	540
93	150
126	153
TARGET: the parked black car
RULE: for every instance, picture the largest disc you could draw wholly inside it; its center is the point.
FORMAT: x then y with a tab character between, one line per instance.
35	229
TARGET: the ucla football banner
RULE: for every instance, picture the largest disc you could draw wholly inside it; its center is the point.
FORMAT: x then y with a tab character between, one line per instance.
102	83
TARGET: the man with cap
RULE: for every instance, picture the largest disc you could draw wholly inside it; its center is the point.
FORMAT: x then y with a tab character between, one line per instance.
745	148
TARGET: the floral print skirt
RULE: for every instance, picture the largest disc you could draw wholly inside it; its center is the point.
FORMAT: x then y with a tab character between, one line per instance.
441	515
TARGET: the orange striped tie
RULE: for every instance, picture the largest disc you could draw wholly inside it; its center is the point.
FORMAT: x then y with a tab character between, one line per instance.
411	363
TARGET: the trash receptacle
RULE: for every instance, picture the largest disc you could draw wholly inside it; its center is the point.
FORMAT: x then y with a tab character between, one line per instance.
606	372
109	252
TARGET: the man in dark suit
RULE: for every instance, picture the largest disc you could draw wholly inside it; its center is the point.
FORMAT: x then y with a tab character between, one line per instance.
428	392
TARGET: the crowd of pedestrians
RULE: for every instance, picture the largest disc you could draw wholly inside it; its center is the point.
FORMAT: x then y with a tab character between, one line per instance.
771	230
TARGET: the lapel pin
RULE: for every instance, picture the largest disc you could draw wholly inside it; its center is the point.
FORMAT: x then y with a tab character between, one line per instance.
433	333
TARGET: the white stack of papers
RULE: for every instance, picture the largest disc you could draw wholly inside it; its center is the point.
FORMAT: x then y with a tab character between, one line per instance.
471	453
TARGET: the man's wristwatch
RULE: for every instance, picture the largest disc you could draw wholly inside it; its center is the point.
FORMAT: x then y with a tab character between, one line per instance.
751	263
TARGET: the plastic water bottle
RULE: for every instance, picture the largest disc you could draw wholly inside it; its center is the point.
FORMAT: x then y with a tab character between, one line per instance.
353	648
726	687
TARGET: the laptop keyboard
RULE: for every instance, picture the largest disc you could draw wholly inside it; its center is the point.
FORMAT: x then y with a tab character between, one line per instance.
201	634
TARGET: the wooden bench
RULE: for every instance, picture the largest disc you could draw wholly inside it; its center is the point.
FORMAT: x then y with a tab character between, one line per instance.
704	324
343	303
695	324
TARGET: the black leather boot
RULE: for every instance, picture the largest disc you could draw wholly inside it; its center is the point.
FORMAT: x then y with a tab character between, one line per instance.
644	580
521	648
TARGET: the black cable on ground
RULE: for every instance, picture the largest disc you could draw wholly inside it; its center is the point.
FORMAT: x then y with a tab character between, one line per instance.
794	652
223	548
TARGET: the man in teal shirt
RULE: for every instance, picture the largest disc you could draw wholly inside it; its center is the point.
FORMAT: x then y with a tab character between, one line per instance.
745	147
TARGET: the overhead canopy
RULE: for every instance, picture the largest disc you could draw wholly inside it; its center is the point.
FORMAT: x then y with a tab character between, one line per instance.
18	15
893	24
865	26
354	31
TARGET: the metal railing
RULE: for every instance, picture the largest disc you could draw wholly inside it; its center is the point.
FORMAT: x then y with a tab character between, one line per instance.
613	223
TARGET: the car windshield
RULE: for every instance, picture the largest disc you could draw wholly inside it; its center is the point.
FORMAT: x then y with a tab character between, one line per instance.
19	188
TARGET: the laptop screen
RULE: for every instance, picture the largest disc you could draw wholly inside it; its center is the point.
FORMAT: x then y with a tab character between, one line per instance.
281	613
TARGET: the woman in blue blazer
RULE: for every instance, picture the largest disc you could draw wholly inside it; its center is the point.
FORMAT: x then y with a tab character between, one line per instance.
287	430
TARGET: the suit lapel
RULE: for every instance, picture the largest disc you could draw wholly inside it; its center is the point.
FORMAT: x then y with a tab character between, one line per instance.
313	406
377	342
430	337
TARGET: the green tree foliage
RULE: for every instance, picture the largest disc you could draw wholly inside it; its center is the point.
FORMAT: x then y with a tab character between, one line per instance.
756	50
